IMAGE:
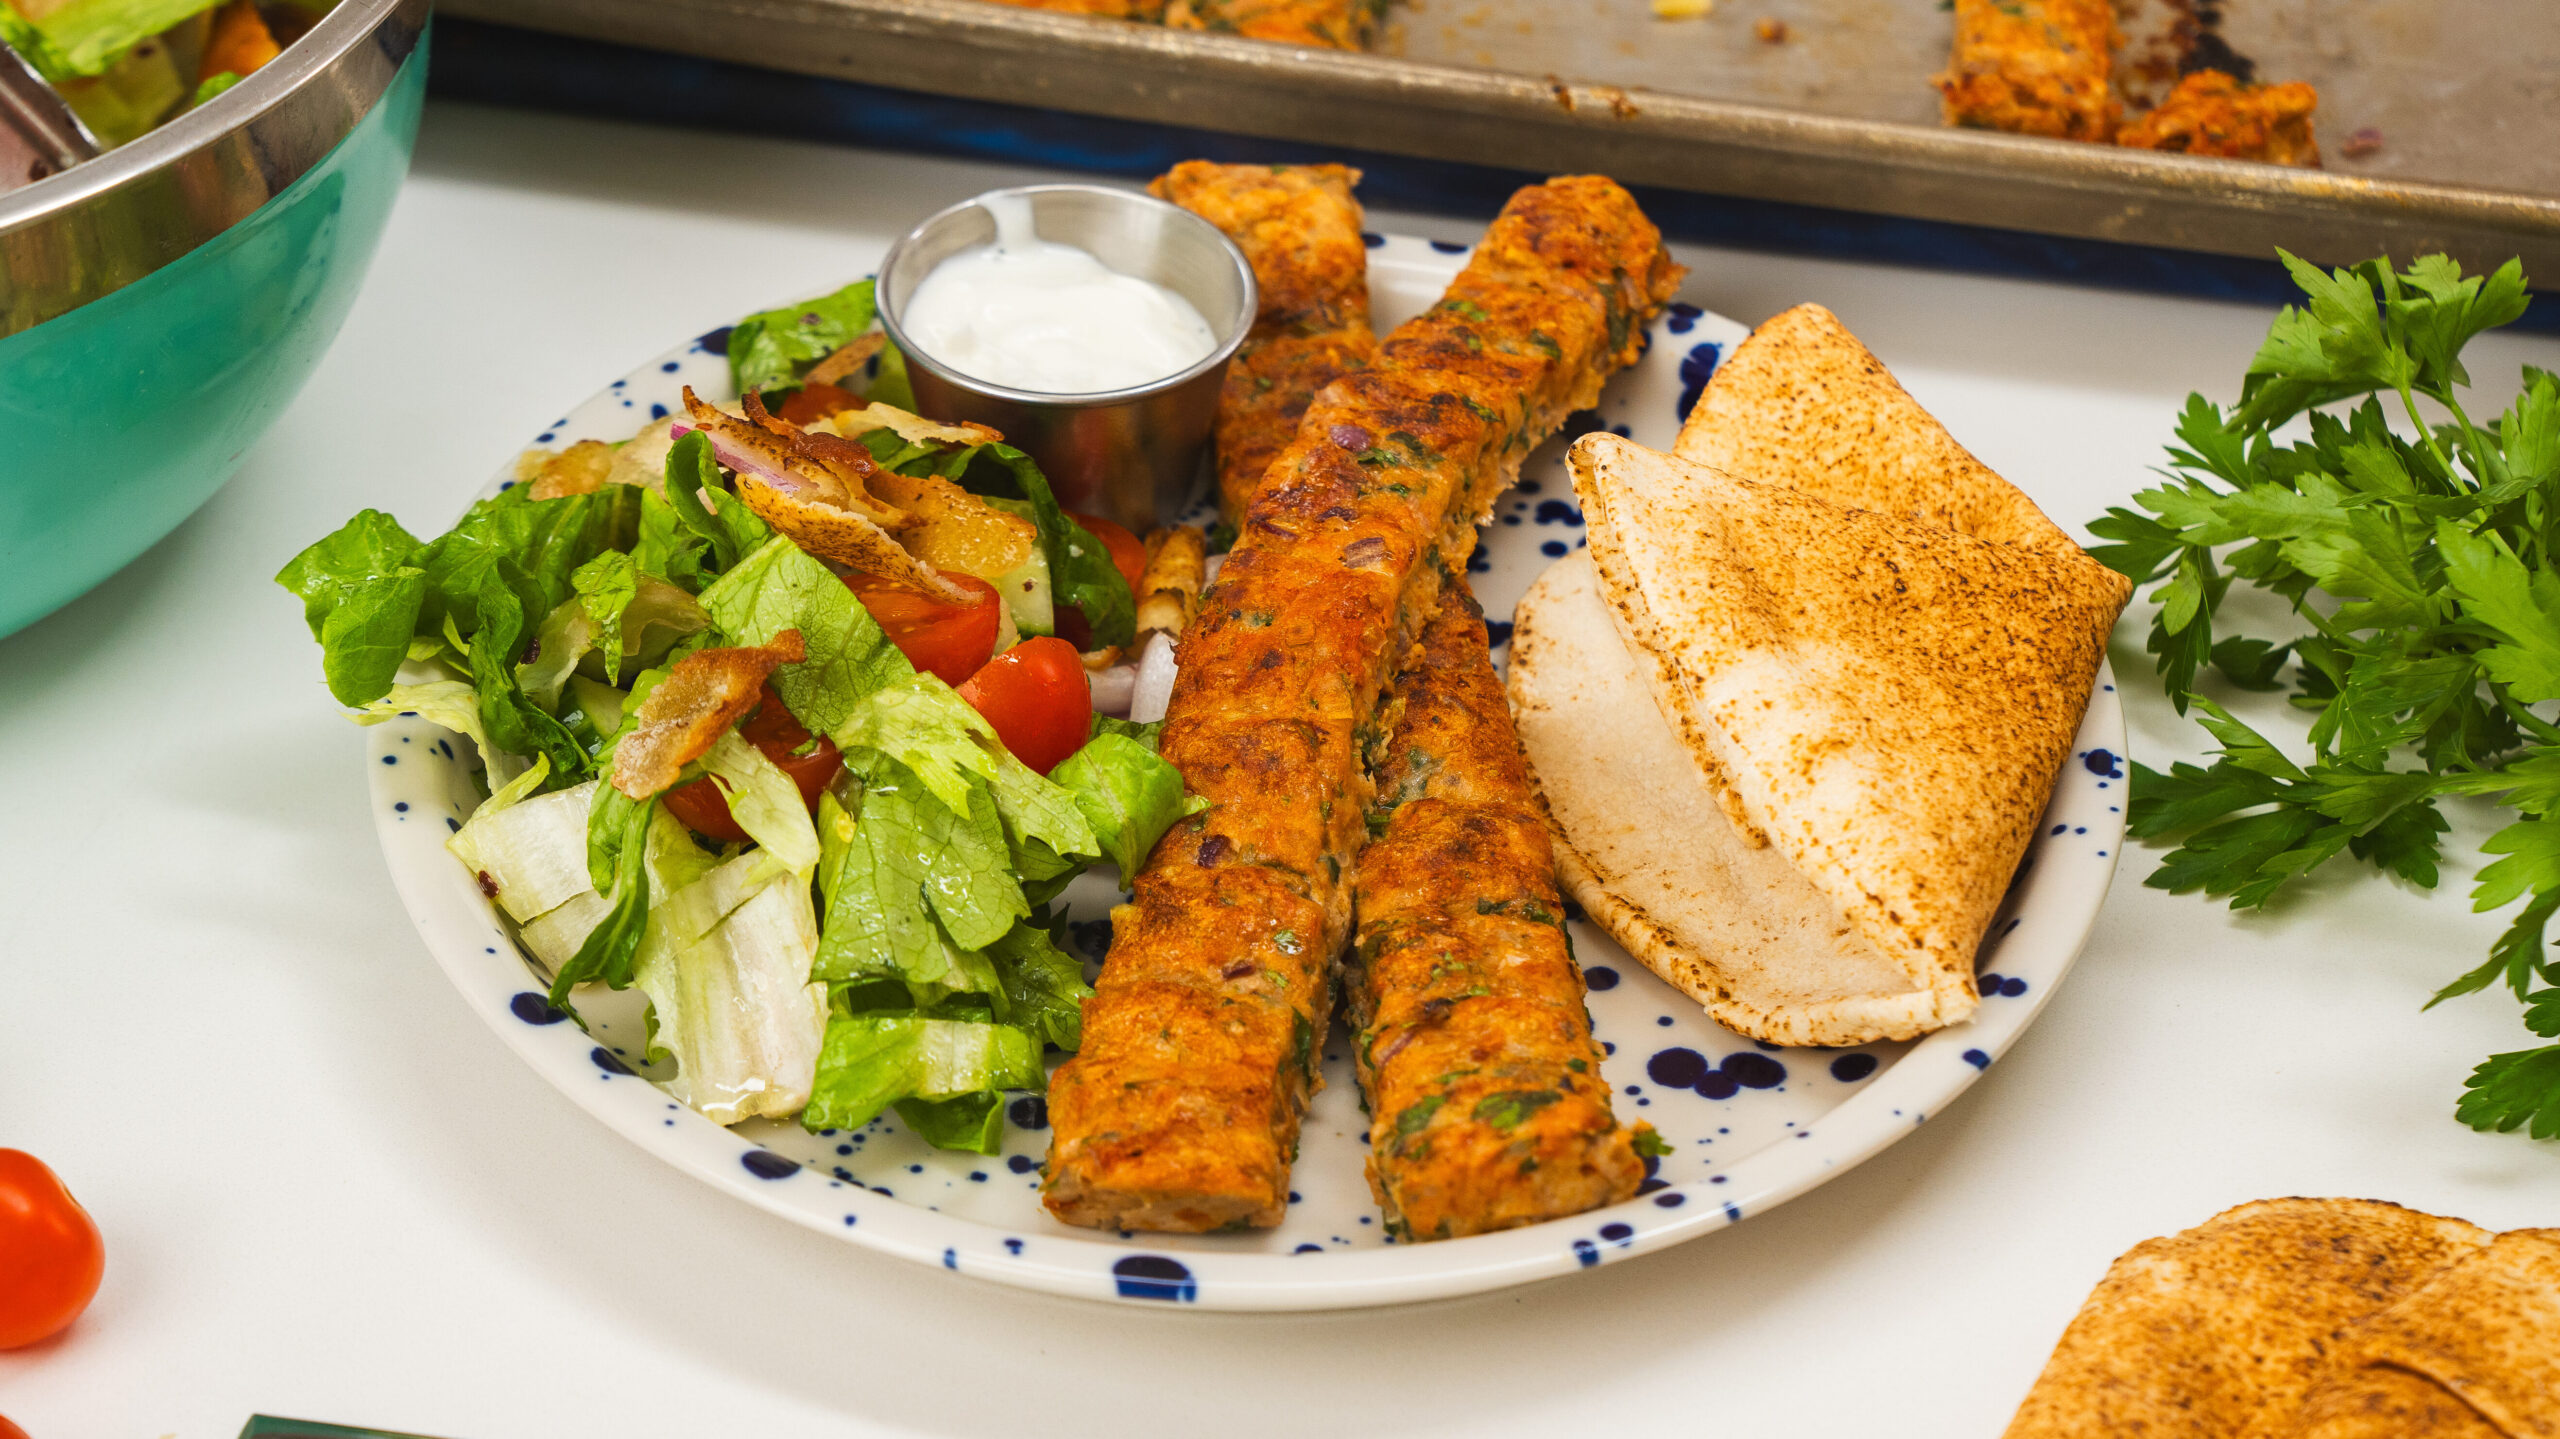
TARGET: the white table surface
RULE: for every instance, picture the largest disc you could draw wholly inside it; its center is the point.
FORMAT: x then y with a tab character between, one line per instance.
329	1192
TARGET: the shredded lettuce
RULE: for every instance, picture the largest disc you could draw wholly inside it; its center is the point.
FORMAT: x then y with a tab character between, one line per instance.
528	850
733	1004
871	1061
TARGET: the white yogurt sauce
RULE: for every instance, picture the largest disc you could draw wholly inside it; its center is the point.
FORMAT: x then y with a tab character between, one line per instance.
1032	314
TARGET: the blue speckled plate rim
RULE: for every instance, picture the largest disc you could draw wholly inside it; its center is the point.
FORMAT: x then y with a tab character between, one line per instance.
2051	912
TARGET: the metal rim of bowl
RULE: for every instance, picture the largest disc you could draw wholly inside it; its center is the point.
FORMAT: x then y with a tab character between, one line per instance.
95	228
1227	345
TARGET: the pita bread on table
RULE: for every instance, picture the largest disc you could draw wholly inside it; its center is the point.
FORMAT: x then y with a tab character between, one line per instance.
1801	403
1883	701
2474	1353
2220	1332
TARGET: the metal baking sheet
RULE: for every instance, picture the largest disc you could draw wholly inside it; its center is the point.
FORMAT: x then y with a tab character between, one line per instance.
2463	98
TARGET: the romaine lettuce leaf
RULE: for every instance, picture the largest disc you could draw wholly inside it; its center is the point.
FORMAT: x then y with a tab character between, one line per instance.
529	850
871	1061
916	889
450	703
604	587
1043	988
734	1005
922	722
721	520
777	347
1129	793
765	803
617	854
971	1122
780	587
362	594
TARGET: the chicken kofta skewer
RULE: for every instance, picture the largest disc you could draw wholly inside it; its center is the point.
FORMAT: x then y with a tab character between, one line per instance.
1181	1111
1486	1104
1299	228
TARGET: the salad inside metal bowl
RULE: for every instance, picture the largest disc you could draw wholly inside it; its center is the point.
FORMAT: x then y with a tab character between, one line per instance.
122	68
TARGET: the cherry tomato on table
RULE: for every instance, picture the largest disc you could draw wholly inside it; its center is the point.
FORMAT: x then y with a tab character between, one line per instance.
948	640
50	1253
1128	553
772	729
1038	700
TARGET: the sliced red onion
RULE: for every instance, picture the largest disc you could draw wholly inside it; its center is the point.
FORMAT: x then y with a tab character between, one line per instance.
1154	689
1112	688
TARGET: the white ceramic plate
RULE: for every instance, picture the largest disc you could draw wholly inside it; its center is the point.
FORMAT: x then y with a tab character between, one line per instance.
1750	1125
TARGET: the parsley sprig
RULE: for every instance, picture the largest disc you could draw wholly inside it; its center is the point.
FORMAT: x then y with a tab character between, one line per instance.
2423	563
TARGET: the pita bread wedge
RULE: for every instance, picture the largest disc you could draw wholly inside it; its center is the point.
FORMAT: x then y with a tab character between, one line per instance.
1803	404
1884	701
2220	1332
2474	1353
1734	926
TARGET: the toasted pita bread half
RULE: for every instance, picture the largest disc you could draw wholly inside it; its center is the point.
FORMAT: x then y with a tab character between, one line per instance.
2475	1353
1803	404
2220	1332
1660	867
1884	701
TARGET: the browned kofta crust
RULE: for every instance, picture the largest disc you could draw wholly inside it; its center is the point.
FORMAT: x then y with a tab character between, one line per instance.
1299	229
1236	919
1487	1106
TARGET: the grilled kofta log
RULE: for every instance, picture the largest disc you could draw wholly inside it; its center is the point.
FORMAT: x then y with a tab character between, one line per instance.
1200	1045
2032	67
1486	1104
1300	230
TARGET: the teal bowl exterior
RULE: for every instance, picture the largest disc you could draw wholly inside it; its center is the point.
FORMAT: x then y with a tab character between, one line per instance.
121	417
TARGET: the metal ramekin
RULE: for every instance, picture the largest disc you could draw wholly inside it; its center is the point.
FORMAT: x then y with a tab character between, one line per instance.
1131	455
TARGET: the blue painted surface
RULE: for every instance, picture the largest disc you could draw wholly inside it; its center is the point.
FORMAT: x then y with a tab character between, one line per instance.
506	66
126	414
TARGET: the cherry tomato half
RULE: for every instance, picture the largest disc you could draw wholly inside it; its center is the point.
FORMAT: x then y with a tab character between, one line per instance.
1128	553
9	1430
1038	700
772	729
812	403
50	1253
949	640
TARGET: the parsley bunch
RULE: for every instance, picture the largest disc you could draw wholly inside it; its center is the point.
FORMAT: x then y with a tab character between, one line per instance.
2424	565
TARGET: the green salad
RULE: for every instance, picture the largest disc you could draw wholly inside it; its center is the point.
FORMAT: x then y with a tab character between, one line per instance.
716	777
125	67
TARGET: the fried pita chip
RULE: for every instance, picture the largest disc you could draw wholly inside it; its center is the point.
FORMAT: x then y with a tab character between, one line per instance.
914	429
578	470
702	697
803	505
2474	1353
954	530
851	356
1169	587
1884	701
1803	404
2220	1332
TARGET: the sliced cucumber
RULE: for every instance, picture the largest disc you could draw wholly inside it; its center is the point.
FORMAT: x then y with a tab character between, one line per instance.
1025	587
